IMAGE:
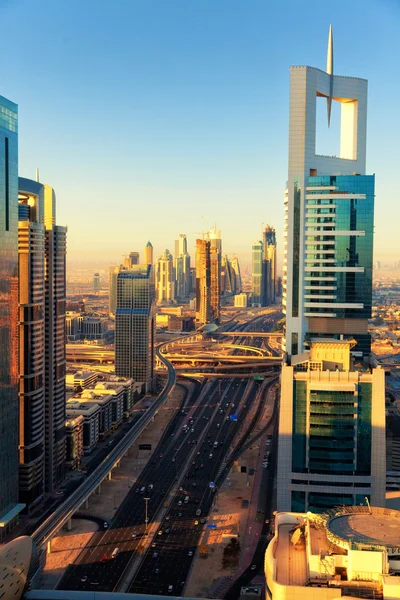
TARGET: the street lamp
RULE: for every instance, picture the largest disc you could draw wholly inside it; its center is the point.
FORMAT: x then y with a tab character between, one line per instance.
146	517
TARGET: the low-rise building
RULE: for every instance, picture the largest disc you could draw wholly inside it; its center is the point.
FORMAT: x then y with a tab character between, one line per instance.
91	421
346	552
74	435
85	379
241	300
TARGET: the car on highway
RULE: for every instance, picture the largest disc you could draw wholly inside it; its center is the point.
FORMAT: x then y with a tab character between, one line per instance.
202	521
60	493
134	534
173	459
104	558
167	518
170	589
179	502
115	553
168	530
253	567
155	554
160	532
156	571
210	455
196	522
84	578
190	553
105	525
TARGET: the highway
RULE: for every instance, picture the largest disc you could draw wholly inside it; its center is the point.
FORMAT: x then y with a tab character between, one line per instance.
64	512
176	482
95	568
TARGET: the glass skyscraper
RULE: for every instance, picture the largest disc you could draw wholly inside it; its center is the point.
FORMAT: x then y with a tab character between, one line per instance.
256	273
9	507
135	325
332	403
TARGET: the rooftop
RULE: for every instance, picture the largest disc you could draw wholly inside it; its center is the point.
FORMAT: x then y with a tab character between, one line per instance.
380	527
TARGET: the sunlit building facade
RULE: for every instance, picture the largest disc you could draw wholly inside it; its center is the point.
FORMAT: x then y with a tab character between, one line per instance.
112	294
42	273
135	325
9	507
182	267
208	282
332	449
148	254
165	278
329	215
257	273
332	405
269	266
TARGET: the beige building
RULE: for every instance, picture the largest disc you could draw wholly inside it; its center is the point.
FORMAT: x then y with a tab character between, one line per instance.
352	552
241	300
208	281
165	278
74	433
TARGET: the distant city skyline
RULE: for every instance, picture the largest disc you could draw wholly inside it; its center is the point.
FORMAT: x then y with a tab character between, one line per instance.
197	129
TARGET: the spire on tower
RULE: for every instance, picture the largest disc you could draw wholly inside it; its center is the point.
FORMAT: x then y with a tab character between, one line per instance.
329	70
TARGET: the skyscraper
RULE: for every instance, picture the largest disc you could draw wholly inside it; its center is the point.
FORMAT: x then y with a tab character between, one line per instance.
9	507
329	210
208	285
96	282
165	278
31	262
182	267
214	235
134	258
112	294
148	254
181	245
257	273
238	278
269	265
38	217
332	410
135	325
332	449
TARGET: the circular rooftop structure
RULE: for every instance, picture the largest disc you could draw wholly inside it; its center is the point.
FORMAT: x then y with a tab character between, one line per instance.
363	528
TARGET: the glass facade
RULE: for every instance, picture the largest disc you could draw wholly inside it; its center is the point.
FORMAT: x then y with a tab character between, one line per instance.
347	208
8	305
328	426
135	325
257	273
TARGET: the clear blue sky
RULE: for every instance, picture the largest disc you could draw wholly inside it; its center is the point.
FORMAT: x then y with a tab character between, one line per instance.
148	115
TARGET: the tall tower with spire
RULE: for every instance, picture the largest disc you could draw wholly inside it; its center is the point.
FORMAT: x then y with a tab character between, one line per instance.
329	209
332	411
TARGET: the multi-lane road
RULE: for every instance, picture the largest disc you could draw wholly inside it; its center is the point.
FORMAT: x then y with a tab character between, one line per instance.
208	423
156	558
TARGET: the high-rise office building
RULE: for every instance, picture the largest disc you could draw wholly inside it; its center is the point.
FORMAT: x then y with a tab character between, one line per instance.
9	507
269	265
96	282
238	278
135	325
112	294
332	448
329	210
133	258
257	273
181	245
208	285
214	235
148	254
165	278
37	211
332	410
182	267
